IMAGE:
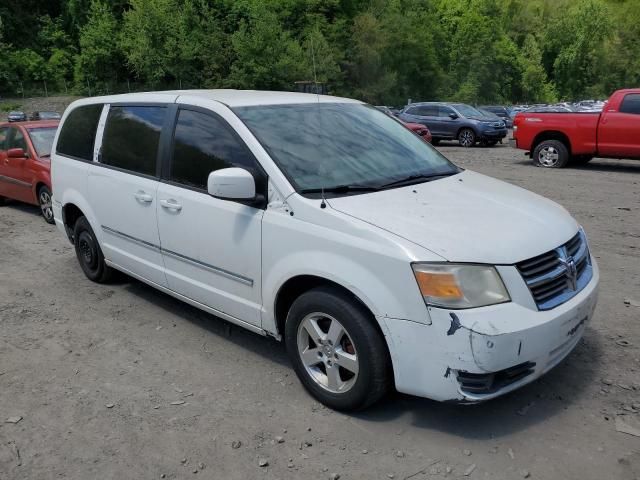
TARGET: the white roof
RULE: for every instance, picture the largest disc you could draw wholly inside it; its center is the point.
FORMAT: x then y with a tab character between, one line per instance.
232	98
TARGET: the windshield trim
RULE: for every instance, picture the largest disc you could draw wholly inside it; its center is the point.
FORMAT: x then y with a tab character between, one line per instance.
327	194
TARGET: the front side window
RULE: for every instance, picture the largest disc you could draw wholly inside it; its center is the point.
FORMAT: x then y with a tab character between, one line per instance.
631	104
4	134
326	145
131	138
202	144
42	139
78	133
17	139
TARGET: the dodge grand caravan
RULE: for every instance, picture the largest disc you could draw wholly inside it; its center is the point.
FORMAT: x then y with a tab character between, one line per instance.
325	223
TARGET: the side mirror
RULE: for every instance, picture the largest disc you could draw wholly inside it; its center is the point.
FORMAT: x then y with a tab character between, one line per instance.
453	116
232	184
17	153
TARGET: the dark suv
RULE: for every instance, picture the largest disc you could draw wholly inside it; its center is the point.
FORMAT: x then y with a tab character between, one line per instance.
455	121
502	112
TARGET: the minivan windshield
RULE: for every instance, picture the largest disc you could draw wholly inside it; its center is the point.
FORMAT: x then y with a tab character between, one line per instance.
42	139
342	147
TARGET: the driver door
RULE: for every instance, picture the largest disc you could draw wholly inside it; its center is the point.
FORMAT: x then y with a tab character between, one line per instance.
211	247
16	176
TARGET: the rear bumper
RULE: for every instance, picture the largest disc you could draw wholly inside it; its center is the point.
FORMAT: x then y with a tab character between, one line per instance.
469	356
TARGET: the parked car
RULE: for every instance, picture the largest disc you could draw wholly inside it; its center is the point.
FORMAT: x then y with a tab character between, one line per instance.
45	116
451	121
553	139
417	128
16	116
25	151
325	223
501	112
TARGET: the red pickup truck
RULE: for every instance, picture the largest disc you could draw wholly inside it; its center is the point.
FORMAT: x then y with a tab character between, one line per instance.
552	140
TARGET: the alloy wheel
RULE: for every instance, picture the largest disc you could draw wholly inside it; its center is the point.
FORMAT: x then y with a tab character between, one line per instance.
45	204
467	138
327	352
548	156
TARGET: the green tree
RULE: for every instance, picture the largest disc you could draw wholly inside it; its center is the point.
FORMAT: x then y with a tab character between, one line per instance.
266	55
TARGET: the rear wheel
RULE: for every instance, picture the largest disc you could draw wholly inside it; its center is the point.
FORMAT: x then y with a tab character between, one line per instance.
44	200
2	200
89	253
467	137
551	154
435	142
337	353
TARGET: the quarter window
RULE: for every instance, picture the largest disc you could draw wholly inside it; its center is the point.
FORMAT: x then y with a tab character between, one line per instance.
631	104
202	144
78	133
131	137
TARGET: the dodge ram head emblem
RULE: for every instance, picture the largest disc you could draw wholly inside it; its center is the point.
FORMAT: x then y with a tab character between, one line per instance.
572	272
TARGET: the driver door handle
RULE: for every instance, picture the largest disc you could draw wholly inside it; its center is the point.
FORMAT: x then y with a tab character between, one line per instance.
171	204
143	197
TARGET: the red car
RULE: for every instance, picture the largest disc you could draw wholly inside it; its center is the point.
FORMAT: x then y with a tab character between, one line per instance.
420	129
552	139
25	166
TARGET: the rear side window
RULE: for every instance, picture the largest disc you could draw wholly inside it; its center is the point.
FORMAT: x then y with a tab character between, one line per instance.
131	137
204	143
631	104
78	132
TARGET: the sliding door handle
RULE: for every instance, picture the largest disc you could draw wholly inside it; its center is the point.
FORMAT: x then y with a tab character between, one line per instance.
171	204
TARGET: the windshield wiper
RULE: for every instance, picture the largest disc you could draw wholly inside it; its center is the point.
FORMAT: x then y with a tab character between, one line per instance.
416	178
342	189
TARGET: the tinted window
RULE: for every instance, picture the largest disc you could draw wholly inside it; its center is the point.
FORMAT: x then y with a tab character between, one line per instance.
204	143
631	104
4	132
325	145
42	139
445	111
78	132
131	138
428	110
17	139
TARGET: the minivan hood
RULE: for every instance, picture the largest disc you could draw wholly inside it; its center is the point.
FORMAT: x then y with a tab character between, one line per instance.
467	217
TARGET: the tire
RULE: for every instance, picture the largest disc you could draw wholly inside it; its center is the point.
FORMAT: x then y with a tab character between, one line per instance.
331	358
2	201
435	142
467	138
551	154
89	253
44	201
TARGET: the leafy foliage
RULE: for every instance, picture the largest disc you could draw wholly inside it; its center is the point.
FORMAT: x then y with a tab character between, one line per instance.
382	51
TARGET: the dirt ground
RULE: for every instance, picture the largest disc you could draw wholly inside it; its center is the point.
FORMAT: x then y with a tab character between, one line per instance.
124	382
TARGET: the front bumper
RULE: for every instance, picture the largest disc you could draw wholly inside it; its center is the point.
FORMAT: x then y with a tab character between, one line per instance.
512	340
494	134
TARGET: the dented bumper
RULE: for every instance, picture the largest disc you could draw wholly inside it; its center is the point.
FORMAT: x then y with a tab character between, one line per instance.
473	355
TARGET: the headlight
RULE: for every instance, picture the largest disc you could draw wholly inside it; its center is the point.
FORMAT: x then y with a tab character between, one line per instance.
459	285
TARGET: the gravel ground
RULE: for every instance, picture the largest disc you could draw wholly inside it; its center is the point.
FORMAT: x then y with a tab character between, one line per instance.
121	381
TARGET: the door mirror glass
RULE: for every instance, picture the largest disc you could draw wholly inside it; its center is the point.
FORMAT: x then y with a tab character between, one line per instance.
232	184
17	153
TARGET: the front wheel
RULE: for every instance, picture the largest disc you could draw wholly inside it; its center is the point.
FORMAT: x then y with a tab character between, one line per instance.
44	200
551	154
336	351
467	138
89	253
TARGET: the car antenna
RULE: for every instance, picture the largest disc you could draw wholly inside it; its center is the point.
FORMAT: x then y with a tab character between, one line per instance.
323	203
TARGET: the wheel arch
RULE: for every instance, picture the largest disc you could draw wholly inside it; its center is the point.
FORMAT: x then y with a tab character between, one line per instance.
550	135
295	286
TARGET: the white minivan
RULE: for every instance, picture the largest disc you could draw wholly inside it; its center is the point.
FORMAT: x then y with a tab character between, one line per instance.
324	222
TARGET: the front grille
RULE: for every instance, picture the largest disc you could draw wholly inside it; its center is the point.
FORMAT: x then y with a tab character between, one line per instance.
556	276
483	383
